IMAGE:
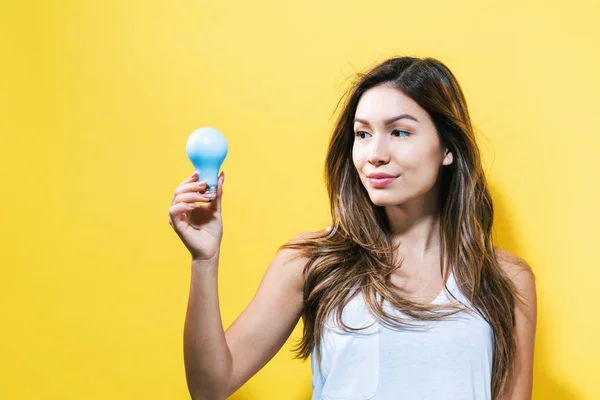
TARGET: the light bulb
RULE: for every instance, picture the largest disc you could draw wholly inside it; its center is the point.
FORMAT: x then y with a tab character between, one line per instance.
207	148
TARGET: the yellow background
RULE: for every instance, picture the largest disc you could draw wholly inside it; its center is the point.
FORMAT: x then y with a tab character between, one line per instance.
97	100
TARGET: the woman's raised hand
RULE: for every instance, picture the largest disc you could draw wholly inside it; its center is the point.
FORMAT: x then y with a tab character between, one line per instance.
199	226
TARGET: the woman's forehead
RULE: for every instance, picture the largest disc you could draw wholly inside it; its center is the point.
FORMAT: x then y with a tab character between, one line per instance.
383	103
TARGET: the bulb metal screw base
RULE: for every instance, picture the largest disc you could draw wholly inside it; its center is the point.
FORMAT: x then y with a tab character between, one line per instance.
211	189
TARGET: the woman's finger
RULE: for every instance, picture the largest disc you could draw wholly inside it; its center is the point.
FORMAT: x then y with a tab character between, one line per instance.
197	187
177	210
191	197
187	180
216	203
190	178
191	187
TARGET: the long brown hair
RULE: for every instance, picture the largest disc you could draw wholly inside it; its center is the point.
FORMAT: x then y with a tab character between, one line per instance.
358	250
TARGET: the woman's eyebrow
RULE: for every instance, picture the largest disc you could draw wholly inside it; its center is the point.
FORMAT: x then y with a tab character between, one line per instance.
388	121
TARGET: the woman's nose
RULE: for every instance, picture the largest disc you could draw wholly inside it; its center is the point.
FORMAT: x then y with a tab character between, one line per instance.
378	151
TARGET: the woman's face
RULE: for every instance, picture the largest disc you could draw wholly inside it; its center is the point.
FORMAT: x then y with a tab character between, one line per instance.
395	136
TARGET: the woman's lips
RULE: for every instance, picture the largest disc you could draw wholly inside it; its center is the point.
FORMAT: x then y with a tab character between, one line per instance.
380	182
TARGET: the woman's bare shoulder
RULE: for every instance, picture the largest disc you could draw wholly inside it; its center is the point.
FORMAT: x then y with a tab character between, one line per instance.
512	263
519	272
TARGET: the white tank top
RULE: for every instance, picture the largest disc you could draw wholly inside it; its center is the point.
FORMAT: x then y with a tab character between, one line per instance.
441	360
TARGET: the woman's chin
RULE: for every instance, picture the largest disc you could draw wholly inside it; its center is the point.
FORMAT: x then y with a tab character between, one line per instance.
383	199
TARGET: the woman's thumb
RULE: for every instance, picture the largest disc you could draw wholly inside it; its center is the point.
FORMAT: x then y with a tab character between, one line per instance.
219	194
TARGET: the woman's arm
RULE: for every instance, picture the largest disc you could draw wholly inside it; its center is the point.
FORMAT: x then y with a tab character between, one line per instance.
268	321
217	363
526	316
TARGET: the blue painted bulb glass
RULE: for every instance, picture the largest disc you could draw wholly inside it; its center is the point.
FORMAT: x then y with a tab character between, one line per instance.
207	148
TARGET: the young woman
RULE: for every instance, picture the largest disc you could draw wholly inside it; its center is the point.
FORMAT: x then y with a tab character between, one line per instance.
404	296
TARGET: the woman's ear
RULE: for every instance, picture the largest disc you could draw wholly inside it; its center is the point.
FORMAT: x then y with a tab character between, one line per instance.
448	158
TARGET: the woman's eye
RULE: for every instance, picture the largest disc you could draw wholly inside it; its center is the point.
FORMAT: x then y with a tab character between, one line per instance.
398	130
361	133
